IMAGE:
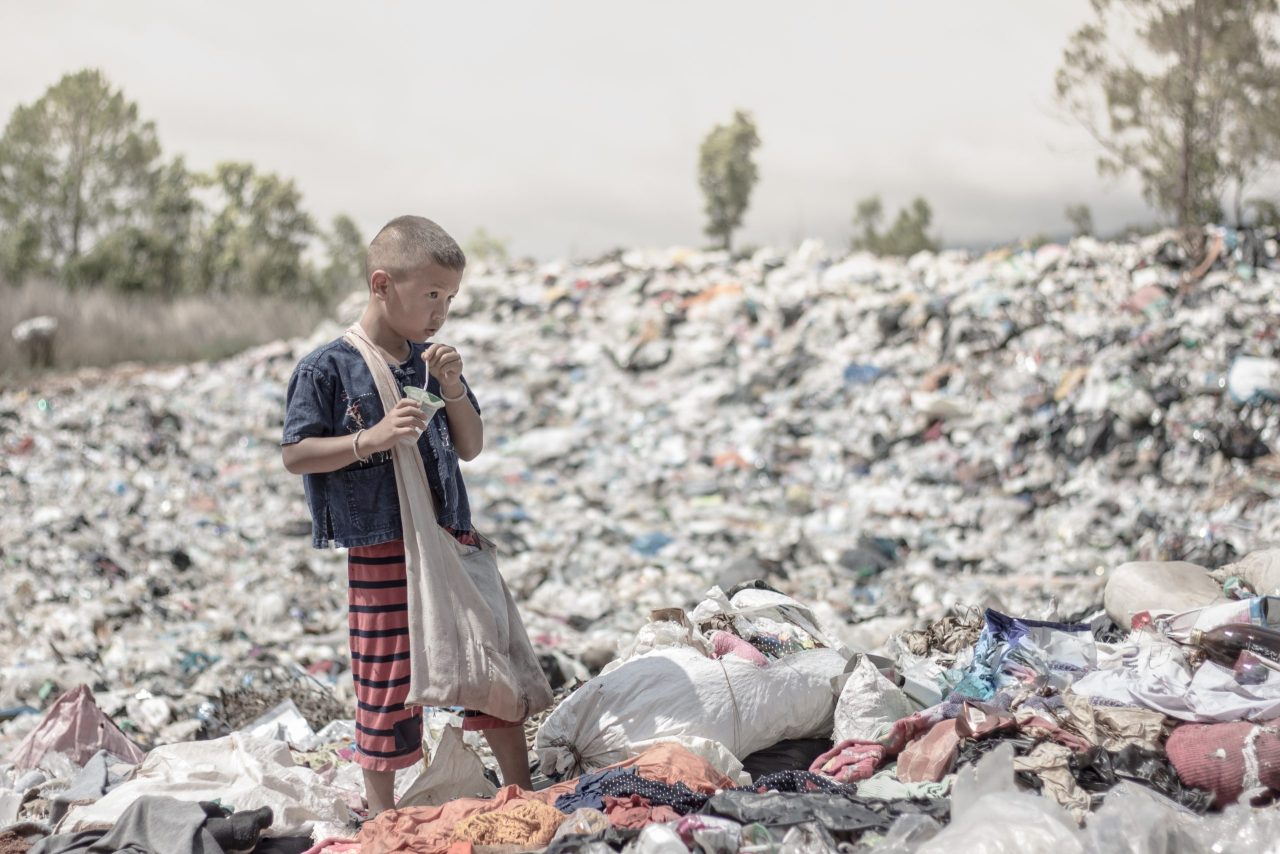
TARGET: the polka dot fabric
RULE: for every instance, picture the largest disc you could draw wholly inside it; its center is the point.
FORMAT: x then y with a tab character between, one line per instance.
679	797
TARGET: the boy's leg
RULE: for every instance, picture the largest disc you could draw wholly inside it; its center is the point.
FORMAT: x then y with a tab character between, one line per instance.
379	790
511	751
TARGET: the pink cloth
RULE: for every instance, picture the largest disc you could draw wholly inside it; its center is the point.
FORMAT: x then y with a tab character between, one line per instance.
727	643
74	725
333	845
855	759
1213	757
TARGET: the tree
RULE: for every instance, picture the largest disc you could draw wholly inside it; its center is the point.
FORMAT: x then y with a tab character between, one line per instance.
345	247
75	166
1172	91
254	243
727	174
152	256
1081	219
866	220
483	246
908	235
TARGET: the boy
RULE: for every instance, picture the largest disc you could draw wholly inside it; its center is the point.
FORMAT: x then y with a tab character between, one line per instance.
338	438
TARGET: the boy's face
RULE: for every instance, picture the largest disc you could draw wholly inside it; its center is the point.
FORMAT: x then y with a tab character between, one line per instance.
418	304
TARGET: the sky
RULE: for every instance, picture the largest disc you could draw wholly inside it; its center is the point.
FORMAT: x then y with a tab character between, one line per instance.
571	128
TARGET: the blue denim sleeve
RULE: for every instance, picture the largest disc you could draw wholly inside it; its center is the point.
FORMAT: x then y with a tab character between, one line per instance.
308	406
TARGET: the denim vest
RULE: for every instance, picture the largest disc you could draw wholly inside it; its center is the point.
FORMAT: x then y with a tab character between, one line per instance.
331	393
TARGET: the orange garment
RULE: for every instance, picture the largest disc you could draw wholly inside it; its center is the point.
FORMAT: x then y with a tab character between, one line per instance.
531	823
430	830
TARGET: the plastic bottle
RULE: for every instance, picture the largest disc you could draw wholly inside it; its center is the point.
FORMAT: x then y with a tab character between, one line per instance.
1225	643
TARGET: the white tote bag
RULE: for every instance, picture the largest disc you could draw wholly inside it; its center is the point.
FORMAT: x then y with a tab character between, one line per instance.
467	644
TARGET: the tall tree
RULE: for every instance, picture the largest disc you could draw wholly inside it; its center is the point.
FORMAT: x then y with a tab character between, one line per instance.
151	256
75	165
1169	89
256	236
344	270
1081	219
908	235
727	174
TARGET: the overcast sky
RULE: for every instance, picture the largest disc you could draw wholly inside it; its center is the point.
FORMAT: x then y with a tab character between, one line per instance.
573	127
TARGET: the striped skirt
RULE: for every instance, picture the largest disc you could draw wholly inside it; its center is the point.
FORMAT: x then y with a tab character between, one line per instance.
388	734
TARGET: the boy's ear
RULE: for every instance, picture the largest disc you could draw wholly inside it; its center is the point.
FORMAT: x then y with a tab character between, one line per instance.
379	282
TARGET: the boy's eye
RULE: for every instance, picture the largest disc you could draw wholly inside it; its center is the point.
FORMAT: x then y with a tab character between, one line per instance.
434	294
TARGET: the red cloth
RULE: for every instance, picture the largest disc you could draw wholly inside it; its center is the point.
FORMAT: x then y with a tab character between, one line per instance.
855	759
1213	757
636	812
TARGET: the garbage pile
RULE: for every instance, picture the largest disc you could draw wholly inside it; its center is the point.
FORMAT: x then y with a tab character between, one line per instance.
905	447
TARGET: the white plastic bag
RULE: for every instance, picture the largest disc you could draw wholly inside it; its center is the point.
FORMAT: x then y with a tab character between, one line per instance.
868	704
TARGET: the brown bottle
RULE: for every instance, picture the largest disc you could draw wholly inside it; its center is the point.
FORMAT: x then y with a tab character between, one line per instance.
1225	643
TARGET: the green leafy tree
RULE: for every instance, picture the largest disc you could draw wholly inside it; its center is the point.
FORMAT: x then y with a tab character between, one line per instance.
727	174
1081	219
483	246
866	223
1172	91
150	257
256	235
345	247
76	165
908	235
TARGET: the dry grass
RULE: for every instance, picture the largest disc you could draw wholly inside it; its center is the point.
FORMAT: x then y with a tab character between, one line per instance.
98	329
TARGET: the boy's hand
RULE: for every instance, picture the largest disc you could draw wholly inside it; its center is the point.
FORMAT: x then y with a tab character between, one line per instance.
445	364
405	419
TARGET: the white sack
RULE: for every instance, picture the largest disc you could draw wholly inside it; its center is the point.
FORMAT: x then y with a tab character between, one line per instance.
1158	586
671	693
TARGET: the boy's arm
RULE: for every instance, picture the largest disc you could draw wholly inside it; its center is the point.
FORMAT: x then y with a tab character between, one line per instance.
323	454
465	424
445	364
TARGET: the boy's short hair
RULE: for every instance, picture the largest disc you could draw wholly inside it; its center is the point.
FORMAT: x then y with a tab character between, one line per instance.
408	243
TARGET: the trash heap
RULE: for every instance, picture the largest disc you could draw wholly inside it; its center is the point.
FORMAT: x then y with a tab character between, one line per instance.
936	462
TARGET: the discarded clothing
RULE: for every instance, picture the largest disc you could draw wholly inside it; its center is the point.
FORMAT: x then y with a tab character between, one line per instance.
1230	760
796	781
589	794
530	824
678	796
886	786
151	825
636	812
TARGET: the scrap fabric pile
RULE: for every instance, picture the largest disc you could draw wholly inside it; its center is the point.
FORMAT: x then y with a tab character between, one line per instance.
911	449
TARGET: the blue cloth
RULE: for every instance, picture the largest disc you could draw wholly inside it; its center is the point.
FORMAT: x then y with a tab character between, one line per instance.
589	794
331	393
